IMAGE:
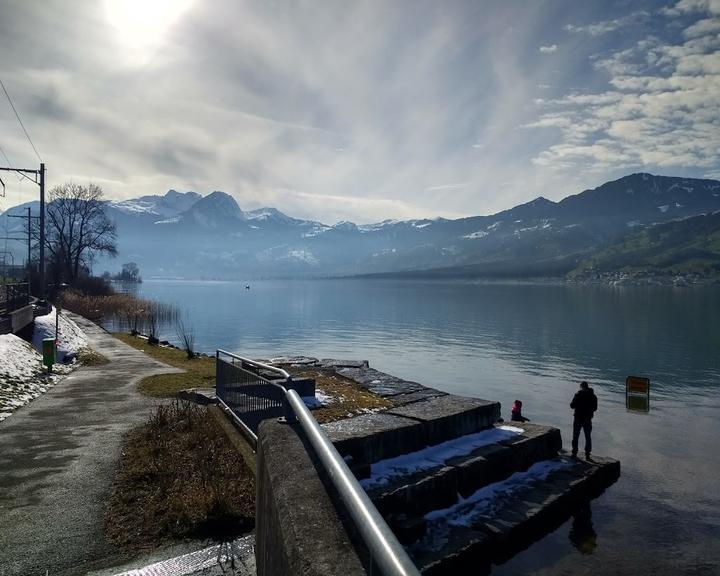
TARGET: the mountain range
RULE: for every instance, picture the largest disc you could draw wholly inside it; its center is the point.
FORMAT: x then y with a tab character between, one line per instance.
191	236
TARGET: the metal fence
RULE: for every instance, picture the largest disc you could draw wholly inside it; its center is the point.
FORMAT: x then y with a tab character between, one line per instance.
14	297
248	391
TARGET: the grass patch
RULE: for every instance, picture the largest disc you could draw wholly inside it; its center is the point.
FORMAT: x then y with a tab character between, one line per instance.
168	385
179	478
198	372
349	398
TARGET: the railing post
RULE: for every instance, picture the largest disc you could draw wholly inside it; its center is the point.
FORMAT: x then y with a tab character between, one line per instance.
289	412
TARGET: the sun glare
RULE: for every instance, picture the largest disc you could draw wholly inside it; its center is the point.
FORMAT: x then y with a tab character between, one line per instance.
141	24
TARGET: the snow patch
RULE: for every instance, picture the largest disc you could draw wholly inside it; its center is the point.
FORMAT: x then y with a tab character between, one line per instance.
320	399
633	223
169	220
382	472
70	337
664	208
484	502
20	359
22	375
315	231
495	225
478	234
303	256
135	207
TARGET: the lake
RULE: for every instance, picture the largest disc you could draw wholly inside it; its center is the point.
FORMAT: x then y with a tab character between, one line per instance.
535	343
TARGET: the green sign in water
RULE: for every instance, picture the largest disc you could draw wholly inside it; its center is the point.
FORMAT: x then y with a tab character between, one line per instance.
48	348
637	393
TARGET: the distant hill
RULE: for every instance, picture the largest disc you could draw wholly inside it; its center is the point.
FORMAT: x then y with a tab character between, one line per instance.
688	247
188	235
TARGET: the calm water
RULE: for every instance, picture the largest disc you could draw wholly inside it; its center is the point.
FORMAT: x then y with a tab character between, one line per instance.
532	342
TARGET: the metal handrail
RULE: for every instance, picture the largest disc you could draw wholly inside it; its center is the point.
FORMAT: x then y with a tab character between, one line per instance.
384	547
268	367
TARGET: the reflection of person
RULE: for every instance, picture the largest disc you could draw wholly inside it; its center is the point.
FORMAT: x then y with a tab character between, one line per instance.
585	404
516	412
582	534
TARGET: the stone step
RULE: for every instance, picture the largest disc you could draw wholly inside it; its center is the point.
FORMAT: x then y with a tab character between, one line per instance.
437	476
503	518
369	438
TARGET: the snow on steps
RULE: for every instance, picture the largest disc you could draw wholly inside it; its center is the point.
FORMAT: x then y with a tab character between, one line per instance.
500	519
433	477
373	437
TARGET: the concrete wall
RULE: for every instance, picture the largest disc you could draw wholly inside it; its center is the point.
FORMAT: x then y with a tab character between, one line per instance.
299	528
21	318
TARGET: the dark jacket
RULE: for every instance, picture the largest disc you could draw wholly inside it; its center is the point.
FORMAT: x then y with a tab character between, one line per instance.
585	404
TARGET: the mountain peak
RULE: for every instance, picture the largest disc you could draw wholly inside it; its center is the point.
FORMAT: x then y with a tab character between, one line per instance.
215	209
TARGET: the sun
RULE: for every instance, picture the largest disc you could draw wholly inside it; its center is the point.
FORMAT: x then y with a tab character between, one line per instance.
141	24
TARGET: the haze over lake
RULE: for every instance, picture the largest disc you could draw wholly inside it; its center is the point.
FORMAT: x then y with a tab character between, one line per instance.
535	343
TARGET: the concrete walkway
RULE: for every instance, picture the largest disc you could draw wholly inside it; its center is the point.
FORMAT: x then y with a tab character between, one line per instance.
58	456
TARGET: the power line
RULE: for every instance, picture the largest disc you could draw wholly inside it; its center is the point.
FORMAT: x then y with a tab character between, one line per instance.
5	156
19	120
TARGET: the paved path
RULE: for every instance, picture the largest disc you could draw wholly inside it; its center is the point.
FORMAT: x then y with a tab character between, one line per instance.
58	456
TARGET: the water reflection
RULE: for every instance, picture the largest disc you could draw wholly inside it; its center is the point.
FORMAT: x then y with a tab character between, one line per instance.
582	534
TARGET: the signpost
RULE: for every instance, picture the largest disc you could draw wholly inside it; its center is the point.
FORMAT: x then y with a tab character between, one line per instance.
48	348
637	394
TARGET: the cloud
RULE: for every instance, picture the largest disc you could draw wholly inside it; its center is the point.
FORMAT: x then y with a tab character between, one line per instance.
607	26
661	112
449	186
334	111
692	6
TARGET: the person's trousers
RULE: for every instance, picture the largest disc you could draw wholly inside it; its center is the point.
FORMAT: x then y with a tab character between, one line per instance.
586	427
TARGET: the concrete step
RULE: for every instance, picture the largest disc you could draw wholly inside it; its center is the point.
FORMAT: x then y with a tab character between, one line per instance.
372	437
503	518
437	476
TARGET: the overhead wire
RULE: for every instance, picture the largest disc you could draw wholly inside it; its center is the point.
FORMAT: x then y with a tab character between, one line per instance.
20	121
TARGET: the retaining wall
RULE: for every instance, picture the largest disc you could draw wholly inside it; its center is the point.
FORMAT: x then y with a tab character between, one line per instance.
299	521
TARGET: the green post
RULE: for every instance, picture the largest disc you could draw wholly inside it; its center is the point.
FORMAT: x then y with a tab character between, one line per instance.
48	348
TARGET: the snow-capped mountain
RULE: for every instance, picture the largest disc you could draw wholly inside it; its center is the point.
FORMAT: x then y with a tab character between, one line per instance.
187	235
167	206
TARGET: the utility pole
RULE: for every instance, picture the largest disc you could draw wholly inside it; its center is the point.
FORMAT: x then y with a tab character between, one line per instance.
30	218
39	179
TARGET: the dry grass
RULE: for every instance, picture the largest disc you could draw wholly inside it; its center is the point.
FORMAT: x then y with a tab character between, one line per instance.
127	311
179	478
199	371
90	357
350	399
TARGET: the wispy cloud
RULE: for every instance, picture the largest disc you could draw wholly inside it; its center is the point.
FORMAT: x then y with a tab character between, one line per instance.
607	26
661	110
449	186
548	49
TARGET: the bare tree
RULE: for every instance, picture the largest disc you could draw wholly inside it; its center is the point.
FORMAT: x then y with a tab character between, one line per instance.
77	228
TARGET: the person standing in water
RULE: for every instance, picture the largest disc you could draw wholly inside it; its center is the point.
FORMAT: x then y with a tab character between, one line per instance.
585	404
516	413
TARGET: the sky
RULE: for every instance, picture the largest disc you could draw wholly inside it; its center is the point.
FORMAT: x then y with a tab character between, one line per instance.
364	110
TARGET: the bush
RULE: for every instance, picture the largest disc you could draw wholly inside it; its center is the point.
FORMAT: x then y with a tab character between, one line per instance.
93	286
186	335
180	478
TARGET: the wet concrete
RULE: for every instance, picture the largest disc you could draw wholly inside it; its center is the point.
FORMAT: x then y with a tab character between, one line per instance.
58	456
